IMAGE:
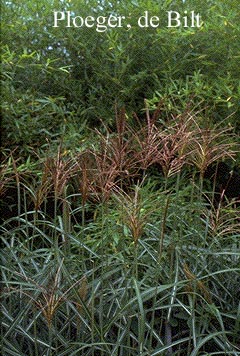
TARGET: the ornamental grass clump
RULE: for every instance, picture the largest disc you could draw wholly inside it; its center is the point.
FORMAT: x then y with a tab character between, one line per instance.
134	214
108	164
49	294
208	145
151	266
147	141
222	221
60	170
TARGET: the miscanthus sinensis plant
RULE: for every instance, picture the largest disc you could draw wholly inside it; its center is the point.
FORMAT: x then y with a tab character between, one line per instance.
120	249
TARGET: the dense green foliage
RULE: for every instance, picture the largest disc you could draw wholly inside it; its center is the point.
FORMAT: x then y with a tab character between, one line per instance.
116	238
57	75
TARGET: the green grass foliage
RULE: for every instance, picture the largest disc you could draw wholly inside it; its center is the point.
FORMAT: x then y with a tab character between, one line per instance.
122	249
